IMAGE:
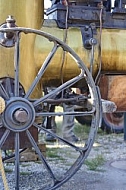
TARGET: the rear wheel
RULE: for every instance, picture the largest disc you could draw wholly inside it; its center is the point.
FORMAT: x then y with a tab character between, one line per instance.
113	122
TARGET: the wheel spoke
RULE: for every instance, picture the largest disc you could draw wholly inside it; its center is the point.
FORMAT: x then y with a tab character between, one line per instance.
4	137
3	92
31	139
17	147
8	87
16	65
42	70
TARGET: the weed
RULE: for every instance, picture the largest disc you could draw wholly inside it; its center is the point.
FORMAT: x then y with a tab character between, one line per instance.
38	161
94	163
24	173
7	170
52	153
25	165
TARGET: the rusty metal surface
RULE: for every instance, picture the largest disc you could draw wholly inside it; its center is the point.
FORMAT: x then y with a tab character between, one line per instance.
24	142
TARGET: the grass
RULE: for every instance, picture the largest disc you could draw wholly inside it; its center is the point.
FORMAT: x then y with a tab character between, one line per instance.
24	173
81	131
53	153
7	170
95	163
25	165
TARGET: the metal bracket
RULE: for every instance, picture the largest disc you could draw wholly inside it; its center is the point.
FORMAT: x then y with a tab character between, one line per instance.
87	37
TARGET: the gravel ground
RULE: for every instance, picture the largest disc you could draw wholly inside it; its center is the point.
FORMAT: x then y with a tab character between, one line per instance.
110	147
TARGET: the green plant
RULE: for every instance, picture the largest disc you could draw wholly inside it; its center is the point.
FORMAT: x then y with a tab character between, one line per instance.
25	165
94	163
52	153
7	170
24	173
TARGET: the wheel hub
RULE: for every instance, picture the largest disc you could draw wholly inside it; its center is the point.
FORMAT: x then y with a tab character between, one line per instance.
19	114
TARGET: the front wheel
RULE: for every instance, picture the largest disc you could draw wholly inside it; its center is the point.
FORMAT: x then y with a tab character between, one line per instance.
23	110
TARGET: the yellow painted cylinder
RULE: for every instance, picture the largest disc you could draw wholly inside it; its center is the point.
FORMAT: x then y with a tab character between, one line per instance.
113	50
27	13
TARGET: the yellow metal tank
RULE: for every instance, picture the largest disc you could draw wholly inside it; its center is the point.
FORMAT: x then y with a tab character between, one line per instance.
27	13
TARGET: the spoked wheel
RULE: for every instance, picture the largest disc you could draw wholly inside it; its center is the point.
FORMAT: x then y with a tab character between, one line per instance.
22	111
